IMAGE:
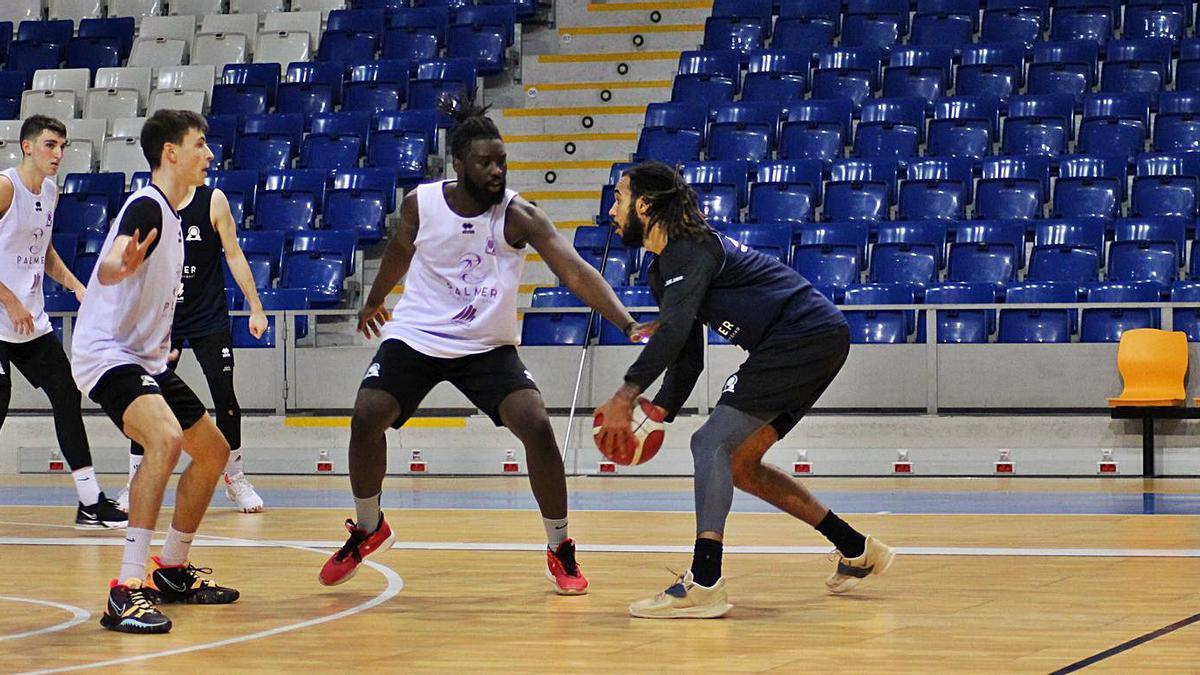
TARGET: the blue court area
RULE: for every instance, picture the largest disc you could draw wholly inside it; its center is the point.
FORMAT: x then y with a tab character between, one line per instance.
516	495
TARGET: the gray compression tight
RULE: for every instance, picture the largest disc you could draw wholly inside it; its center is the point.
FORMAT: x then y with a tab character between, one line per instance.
713	445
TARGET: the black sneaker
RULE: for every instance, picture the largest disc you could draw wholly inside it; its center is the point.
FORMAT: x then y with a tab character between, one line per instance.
130	610
102	515
180	583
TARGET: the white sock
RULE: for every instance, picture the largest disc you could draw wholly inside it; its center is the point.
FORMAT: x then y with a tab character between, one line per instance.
137	549
86	486
234	466
134	462
178	545
366	512
556	531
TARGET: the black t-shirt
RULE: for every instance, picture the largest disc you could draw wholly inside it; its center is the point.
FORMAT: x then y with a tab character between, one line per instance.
145	216
201	309
751	299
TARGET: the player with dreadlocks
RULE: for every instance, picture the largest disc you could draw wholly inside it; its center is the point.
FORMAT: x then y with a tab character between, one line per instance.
462	244
797	342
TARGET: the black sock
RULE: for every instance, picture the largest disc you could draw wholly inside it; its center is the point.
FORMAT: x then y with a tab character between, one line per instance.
847	539
706	562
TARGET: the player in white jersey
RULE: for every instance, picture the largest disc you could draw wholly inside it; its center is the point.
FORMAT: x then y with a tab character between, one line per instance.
462	243
119	357
28	197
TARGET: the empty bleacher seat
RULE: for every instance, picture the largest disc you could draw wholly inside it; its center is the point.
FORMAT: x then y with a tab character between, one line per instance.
538	329
1107	325
360	200
1038	325
879	326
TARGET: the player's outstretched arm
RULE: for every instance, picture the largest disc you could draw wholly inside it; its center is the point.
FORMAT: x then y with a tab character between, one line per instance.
533	226
126	256
392	268
221	217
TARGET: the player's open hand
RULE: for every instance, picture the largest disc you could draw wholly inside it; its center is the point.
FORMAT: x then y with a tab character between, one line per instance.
371	319
641	332
135	252
80	292
22	320
258	324
616	426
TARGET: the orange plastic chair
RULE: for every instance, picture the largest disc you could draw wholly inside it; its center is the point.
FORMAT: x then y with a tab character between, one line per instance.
1152	364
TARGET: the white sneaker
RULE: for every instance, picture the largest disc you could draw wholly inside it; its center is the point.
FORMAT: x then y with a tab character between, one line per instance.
876	559
241	492
685	599
123	499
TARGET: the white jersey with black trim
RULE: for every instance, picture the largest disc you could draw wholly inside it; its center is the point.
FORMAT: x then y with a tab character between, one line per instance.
460	295
25	230
129	323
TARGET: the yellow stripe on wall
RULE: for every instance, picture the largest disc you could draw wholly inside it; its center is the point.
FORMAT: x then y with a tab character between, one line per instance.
574	138
577	86
563	165
571	111
648	6
344	422
632	30
563	195
657	55
571	224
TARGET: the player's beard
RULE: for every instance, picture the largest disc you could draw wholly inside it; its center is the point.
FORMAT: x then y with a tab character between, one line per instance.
634	233
481	194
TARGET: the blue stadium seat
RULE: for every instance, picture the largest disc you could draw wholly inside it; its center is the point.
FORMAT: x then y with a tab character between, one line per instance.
347	46
225	128
1187	319
1093	24
290	200
833	110
793	174
928	234
419	123
436	19
376	85
240	188
25	56
830	268
772	239
1147	77
313	76
740	35
1021	26
410	43
523	10
1037	325
982	262
1087	233
436	77
842	83
405	153
1176	131
1107	325
1158	21
1171	230
936	189
781	202
885	139
676	116
615	267
715	62
369	20
55	30
630	296
1089	186
960	326
902	263
1059	107
762	117
847	241
880	326
607	199
896	8
804	35
238	100
495	17
360	200
110	185
266	245
1170	102
996	233
341	124
925	82
810	139
330	151
810	9
85	263
702	89
908	111
93	53
777	77
881	31
289	126
120	28
718	203
483	45
81	213
935	29
543	329
304	98
669	146
260	271
990	70
1082	56
856	200
594	239
967	8
320	276
1143	261
732	174
1012	187
1166	184
337	243
261	76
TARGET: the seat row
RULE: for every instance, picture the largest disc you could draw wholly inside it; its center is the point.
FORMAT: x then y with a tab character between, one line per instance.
885	326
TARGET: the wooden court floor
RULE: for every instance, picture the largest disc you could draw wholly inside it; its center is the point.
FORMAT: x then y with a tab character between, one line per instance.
969	593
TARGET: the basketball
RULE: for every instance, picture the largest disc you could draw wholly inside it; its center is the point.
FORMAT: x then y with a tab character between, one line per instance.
648	430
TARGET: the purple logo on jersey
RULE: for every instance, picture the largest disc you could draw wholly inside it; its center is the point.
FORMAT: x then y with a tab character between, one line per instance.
491	246
471	269
466	316
37	281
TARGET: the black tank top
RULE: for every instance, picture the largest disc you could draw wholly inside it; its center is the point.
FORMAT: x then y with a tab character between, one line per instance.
201	309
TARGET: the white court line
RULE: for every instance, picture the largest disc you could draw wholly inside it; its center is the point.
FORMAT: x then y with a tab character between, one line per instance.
313	545
394	585
79	615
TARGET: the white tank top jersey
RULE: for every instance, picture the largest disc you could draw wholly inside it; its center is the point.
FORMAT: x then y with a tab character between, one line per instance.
129	323
25	231
460	295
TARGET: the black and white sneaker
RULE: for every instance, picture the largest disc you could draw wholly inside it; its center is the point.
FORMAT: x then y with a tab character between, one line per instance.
102	515
129	610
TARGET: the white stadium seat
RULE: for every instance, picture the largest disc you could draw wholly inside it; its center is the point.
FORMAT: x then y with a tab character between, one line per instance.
126	127
219	49
176	99
17	11
178	27
255	6
240	24
124	155
322	6
78	157
135	78
138	9
156	52
76	9
91	130
107	104
187	78
10	130
68	79
282	47
309	22
194	7
58	104
10	154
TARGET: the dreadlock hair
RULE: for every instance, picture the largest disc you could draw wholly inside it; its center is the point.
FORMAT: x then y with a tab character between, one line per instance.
470	124
672	202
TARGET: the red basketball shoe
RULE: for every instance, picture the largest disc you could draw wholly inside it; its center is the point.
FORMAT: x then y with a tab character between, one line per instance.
564	572
342	565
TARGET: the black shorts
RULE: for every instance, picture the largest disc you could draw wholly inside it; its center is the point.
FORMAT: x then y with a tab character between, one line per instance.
787	377
408	375
41	360
118	387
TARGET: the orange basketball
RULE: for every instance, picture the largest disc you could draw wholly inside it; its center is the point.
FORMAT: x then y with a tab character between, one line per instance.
648	430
